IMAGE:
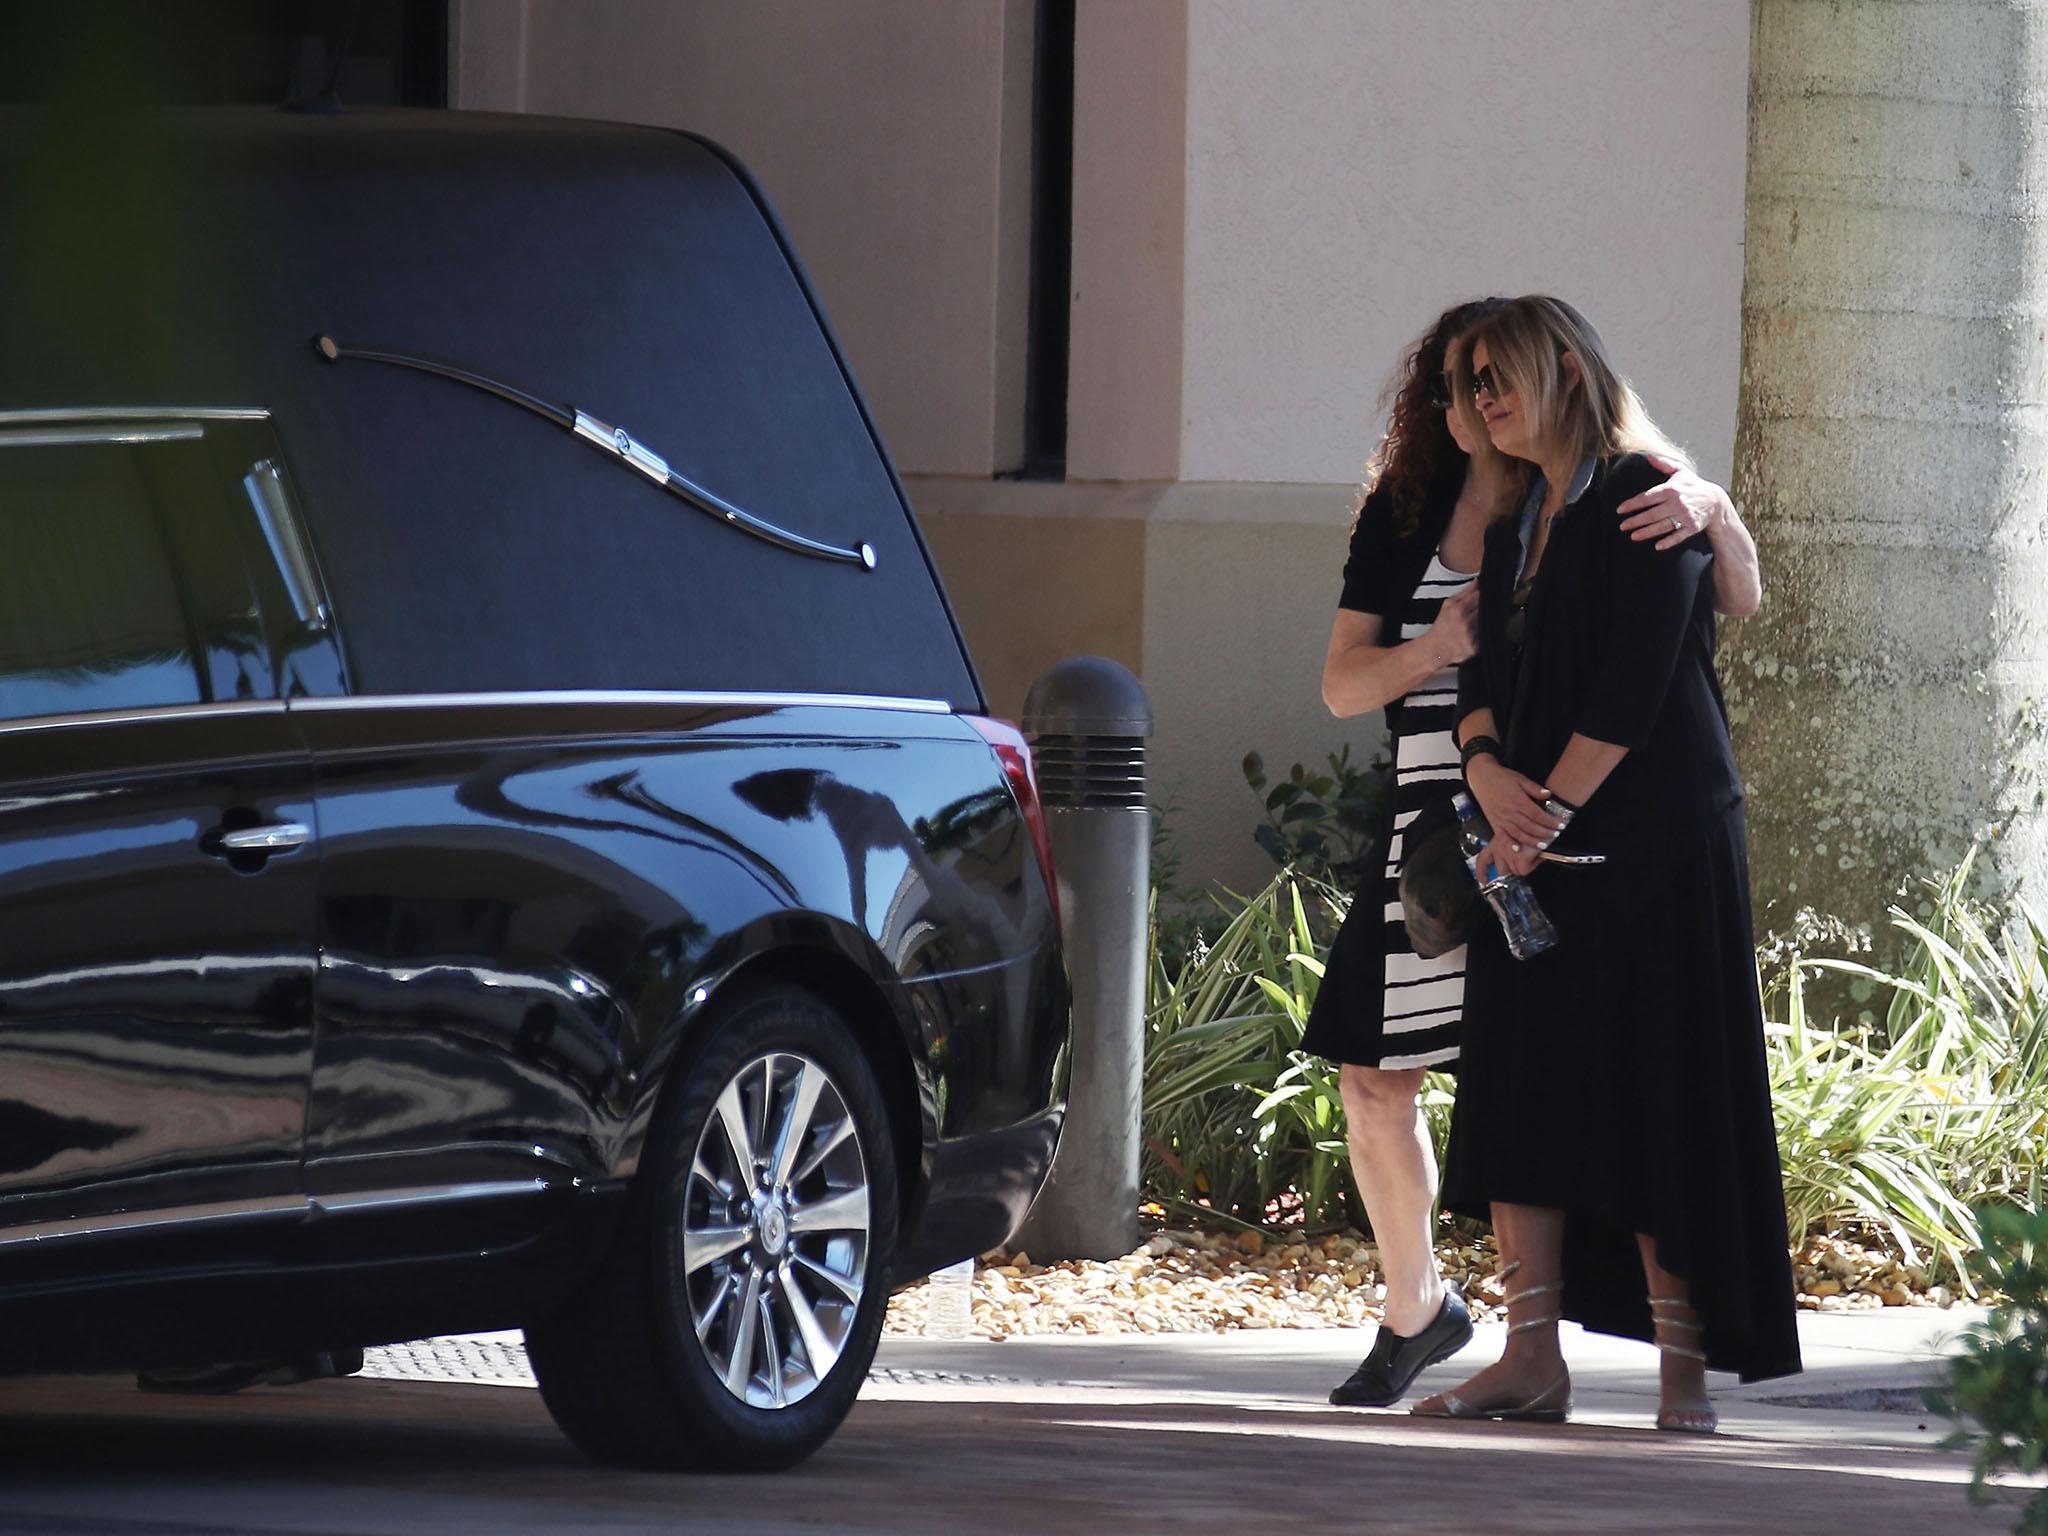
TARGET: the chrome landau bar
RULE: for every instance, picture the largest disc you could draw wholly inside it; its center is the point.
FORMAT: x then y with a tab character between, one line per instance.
616	441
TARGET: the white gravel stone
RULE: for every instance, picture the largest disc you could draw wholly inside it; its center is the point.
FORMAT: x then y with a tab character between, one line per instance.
1215	1282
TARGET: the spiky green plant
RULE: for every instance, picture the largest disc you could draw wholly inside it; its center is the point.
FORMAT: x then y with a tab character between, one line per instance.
1236	1115
1857	1149
1904	1123
1890	1128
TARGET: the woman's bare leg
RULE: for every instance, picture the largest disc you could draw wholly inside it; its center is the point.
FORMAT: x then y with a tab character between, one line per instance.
1681	1380
1531	1240
1395	1166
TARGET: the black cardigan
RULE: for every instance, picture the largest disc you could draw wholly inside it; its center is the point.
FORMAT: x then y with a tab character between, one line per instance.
1619	646
1384	567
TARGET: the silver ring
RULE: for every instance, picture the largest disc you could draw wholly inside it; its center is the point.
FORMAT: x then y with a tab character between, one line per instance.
1674	525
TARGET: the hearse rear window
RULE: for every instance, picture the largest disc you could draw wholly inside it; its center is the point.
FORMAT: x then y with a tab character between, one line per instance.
91	617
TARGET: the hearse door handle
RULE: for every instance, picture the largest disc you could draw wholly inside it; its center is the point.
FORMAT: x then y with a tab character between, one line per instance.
273	837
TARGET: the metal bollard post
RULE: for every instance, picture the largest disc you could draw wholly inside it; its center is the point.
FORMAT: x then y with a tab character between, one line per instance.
1088	718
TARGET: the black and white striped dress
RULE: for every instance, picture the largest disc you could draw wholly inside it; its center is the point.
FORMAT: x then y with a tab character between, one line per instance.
1381	1004
1423	1000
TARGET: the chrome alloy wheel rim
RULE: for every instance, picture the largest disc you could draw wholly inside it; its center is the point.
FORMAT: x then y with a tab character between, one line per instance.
775	1230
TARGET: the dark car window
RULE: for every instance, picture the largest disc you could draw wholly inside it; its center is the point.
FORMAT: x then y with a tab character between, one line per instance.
108	551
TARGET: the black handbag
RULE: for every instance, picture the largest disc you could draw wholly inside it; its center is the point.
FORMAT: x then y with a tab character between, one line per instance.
1439	898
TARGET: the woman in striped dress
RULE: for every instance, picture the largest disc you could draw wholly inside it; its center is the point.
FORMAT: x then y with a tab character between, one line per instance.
1404	622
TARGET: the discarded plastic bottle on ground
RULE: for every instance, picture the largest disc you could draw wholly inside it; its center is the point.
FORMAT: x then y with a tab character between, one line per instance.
949	1302
1522	918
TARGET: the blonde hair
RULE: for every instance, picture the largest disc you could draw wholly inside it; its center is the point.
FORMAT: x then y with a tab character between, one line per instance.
1527	340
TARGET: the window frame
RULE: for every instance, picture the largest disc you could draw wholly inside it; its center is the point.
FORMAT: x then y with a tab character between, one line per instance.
226	435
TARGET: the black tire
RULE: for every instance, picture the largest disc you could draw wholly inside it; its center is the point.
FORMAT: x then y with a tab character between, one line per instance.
623	1367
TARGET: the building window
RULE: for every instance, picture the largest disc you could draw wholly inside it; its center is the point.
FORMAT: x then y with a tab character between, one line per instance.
1052	243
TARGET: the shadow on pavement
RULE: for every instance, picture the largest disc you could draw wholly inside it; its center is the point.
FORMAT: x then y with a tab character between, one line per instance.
91	1454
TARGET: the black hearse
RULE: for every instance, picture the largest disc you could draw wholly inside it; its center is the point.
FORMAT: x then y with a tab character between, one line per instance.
467	863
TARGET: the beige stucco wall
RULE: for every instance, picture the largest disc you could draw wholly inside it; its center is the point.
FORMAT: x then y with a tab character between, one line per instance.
1037	573
1130	239
1355	166
894	138
1239	584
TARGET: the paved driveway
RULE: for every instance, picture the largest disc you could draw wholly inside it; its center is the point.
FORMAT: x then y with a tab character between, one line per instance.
1067	1437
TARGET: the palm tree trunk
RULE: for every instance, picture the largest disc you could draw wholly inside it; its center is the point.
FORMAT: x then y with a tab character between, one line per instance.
1888	700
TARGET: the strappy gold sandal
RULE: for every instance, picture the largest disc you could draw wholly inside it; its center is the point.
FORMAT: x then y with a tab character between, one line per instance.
1686	1321
1550	1406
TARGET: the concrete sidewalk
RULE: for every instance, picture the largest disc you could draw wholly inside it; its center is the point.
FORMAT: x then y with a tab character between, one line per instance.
1860	1386
1864	1372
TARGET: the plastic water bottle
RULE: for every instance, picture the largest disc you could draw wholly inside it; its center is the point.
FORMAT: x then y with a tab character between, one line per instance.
949	1302
1522	918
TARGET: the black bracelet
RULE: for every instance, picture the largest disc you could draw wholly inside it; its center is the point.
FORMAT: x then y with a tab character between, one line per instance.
1557	805
1474	747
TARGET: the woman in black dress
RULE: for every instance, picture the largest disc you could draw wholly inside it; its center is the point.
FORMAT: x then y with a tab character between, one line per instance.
1405	620
1613	1115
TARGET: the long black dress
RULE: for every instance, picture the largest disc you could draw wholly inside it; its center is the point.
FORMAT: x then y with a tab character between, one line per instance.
1620	1076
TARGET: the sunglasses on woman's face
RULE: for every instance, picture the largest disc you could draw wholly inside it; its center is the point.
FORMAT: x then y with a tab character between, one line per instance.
1484	383
1441	390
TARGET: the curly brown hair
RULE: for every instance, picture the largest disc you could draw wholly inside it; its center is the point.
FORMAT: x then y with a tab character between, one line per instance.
1418	453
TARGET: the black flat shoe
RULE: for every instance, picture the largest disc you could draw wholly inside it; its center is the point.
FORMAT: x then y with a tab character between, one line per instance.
1384	1376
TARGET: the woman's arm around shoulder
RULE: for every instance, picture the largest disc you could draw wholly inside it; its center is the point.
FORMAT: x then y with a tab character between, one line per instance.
1684	505
1675	570
1629	475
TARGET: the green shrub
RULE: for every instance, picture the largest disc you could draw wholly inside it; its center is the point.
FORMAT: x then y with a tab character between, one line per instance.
1214	1046
1901	1123
1996	1390
1890	1128
1328	825
1860	1137
1238	1121
1184	918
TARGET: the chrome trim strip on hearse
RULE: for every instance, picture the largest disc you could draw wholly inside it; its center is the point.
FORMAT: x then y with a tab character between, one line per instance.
135	413
71	434
116	1223
550	698
427	1194
150	713
686	699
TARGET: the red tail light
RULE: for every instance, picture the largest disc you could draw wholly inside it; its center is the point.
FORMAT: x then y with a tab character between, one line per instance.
1014	753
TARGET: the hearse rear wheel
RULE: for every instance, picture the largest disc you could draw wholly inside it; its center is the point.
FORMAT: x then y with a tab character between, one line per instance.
736	1319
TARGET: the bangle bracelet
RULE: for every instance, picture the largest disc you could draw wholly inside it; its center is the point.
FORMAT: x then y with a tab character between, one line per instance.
1474	748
